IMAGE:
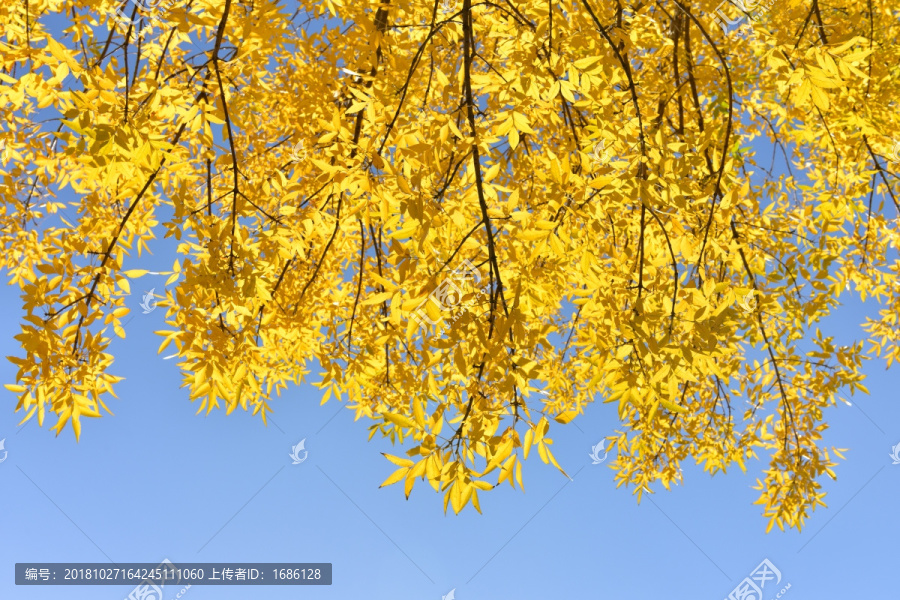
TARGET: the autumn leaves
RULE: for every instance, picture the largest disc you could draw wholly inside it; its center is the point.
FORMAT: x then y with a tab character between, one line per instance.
582	163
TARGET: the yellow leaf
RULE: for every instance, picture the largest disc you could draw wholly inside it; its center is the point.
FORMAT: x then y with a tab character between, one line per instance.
526	446
673	407
395	477
566	416
400	462
584	64
399	420
419	412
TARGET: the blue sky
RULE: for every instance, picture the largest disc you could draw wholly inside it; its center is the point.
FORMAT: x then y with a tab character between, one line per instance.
157	481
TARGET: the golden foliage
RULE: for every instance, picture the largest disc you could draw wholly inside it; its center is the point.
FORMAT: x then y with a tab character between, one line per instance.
475	218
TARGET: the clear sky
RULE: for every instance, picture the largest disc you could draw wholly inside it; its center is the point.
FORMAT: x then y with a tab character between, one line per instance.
157	481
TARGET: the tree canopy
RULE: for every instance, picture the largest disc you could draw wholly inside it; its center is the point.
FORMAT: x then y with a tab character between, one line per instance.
466	219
